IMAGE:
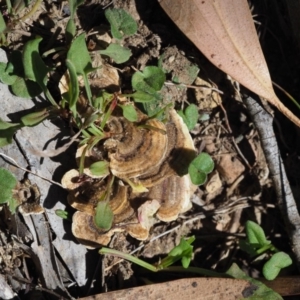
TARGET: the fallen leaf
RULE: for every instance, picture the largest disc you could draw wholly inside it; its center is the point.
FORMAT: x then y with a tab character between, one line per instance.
223	30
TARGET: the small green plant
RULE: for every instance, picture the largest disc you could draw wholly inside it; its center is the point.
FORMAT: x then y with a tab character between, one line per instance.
256	245
7	185
190	116
117	52
121	22
183	252
200	167
147	84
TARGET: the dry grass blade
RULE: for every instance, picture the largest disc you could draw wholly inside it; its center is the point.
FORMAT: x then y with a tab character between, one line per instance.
223	30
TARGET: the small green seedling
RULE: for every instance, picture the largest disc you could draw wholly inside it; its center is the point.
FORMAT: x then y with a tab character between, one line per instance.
118	53
190	116
147	84
100	168
257	244
63	214
183	252
8	183
200	167
121	22
129	112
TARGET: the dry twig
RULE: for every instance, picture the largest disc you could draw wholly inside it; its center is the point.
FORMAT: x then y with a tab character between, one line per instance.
264	125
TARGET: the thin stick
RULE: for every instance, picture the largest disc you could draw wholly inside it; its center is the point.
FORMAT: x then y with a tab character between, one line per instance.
12	161
264	124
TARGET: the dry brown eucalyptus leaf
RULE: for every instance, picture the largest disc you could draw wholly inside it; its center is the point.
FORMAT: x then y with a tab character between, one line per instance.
223	30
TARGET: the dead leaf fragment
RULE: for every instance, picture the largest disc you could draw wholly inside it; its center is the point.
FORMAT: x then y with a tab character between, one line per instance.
223	30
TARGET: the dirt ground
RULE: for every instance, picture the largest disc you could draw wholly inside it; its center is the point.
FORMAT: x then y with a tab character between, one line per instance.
239	188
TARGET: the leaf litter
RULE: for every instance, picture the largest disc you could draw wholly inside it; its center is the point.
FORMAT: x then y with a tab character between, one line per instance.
233	193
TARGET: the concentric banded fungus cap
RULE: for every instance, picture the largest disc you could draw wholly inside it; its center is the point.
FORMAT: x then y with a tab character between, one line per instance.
174	195
135	151
84	196
181	151
154	157
88	234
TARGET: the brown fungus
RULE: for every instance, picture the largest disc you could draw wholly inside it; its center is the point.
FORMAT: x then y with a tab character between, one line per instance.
148	152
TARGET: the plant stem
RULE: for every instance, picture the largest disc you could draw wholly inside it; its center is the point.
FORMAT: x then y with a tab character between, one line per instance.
128	257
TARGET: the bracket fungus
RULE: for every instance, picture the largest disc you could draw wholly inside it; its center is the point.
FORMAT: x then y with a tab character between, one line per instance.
153	155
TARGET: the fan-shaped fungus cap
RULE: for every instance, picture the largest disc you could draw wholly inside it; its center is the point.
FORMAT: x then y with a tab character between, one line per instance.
135	151
88	234
180	152
174	195
156	156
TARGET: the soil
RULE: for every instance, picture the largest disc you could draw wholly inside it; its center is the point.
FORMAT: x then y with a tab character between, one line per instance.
239	189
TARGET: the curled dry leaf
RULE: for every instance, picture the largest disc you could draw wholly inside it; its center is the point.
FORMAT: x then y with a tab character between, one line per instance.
155	155
223	30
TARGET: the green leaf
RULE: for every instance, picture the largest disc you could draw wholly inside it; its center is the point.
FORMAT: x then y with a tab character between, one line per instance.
150	81
79	56
277	262
197	176
25	88
70	31
73	92
104	216
118	53
6	136
190	116
35	118
62	214
129	112
143	97
183	251
34	67
247	247
5	125
100	168
5	76
2	23
256	235
7	131
12	204
21	87
199	167
121	22
258	290
7	183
